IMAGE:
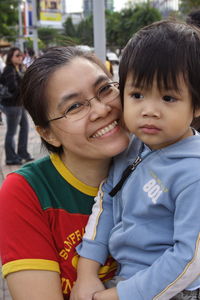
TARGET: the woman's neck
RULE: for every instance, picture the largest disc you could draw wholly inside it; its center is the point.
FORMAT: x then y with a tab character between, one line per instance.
88	171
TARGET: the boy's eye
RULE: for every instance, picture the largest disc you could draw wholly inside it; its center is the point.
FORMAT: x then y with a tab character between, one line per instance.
137	95
169	98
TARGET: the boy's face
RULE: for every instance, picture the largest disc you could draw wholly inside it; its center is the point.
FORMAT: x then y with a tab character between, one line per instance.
158	118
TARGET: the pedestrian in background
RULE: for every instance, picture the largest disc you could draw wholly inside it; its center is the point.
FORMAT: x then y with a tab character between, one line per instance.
2	66
29	57
15	113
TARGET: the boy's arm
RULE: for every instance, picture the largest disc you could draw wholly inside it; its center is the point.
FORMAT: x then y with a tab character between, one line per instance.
95	240
94	247
87	282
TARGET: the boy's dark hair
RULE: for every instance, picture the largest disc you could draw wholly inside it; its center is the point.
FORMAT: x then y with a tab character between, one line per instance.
34	83
162	51
193	18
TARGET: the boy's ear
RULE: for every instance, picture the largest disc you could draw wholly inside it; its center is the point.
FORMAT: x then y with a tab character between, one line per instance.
197	113
48	136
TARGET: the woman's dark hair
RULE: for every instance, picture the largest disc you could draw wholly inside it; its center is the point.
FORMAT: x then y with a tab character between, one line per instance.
34	83
10	55
163	51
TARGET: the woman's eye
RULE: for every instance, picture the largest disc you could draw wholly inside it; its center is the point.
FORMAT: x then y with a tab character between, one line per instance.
169	98
73	108
137	96
106	89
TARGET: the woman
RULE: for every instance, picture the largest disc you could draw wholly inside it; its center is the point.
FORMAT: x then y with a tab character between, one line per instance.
15	113
44	206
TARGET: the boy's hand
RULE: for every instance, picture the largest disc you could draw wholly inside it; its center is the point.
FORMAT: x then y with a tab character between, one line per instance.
85	289
109	294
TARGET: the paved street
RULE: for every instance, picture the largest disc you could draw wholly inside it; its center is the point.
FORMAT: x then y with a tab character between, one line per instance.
35	151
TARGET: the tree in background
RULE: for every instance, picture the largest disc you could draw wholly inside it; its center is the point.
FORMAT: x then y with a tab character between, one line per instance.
121	26
69	28
187	6
8	19
85	31
144	14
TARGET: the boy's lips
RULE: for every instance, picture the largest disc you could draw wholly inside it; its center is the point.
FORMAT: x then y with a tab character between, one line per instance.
105	130
150	129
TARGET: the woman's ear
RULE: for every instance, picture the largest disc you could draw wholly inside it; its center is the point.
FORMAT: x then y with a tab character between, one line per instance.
48	136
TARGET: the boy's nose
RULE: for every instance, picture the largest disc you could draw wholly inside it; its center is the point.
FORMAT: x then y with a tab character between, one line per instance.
151	111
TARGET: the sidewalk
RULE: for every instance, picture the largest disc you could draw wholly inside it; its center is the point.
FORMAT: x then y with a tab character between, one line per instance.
35	151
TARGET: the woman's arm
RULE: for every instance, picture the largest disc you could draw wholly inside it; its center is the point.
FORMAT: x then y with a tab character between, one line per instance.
35	285
29	258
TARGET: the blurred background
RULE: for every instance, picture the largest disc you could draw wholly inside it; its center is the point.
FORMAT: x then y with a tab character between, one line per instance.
39	24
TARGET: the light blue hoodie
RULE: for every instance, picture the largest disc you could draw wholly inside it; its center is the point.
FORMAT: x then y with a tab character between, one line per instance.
152	225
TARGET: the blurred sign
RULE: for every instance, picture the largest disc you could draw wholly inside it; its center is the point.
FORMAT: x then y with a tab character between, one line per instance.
28	18
50	12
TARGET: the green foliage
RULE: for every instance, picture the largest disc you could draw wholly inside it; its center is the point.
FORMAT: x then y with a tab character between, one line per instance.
48	36
85	31
112	28
188	5
121	26
8	19
144	15
69	29
28	43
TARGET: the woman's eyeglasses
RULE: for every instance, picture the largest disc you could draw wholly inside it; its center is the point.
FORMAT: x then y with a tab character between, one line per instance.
78	109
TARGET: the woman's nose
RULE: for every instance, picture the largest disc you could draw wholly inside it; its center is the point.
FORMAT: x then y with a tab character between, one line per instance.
99	109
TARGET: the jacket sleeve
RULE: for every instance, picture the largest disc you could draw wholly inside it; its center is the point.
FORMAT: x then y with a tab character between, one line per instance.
179	266
95	240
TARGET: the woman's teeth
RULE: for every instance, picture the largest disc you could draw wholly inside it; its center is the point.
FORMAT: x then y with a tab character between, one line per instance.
105	130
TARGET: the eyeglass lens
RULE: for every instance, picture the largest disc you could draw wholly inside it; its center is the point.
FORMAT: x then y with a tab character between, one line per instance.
106	94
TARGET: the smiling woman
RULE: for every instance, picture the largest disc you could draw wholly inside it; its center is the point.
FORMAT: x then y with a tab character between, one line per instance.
76	109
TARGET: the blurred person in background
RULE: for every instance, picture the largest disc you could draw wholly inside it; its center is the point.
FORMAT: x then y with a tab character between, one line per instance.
29	57
15	113
2	66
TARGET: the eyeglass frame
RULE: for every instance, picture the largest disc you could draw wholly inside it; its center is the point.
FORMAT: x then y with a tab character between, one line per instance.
89	100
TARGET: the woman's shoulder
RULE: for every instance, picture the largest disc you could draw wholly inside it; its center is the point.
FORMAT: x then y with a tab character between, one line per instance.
8	70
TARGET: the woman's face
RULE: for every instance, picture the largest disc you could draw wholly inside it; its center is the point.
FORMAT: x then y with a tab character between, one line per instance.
98	135
17	58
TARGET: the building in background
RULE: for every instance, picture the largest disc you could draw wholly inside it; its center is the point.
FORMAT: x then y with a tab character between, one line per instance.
50	13
163	5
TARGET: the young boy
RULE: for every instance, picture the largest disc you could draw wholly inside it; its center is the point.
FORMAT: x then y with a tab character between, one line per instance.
150	221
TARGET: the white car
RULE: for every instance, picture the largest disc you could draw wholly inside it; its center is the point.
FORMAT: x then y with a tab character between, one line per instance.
112	56
85	48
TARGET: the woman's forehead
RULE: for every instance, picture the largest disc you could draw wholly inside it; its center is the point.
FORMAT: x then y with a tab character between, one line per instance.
78	77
